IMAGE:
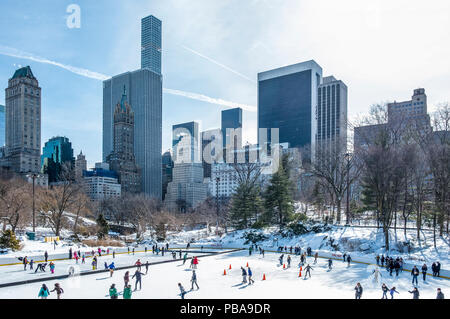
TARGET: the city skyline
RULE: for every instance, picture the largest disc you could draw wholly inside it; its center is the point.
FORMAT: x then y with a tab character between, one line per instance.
71	105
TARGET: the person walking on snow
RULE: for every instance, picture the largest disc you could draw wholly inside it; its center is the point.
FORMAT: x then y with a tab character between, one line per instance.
250	274
244	275
289	261
43	292
415	293
58	290
138	276
113	292
415	273
194	280
358	291
308	271
424	271
385	290
392	291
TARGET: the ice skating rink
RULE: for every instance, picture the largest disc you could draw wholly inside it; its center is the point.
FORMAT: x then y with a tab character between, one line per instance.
162	279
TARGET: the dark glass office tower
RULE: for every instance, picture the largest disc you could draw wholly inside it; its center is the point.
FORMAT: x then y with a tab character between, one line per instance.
232	119
185	142
56	152
287	100
151	44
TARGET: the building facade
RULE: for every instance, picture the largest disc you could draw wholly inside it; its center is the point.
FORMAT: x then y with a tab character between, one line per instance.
56	153
212	148
80	165
23	122
122	159
2	125
232	128
167	172
101	183
287	100
151	44
144	89
332	116
185	143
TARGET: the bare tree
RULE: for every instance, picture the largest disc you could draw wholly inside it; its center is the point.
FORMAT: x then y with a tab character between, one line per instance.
15	202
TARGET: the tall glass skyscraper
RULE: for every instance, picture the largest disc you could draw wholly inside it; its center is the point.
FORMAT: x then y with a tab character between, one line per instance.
2	125
185	142
232	119
56	152
144	89
151	44
287	100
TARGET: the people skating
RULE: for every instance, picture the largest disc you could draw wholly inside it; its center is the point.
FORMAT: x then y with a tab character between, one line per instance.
194	262
244	275
316	255
184	258
424	272
415	293
250	275
41	267
182	291
99	252
397	267
31	264
385	290
330	263
433	268
382	260
114	254
106	265
94	263
46	256
146	267
25	262
70	253
138	276
289	261
358	291
344	257
111	268
392	291
415	273
349	260
43	292
113	292
438	269
391	267
281	259
83	259
376	272
302	259
377	258
52	267
138	264
194	280
127	292
308	271
126	278
250	250
439	295
58	290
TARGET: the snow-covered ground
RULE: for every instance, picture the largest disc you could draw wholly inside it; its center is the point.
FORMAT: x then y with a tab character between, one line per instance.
162	280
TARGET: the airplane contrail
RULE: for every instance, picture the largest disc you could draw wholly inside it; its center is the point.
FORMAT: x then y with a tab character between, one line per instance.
7	51
219	64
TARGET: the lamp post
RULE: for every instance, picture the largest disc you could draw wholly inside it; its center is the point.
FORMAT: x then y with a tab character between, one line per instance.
217	202
347	210
33	176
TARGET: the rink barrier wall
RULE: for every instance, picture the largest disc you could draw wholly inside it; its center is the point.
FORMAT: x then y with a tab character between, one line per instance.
10	261
93	272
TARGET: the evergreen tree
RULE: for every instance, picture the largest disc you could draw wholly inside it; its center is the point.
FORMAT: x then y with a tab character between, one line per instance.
246	205
278	196
9	240
103	227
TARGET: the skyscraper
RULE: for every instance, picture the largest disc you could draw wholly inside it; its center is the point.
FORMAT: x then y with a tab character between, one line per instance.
144	92
232	120
287	100
23	122
212	147
2	125
167	170
151	44
57	151
185	143
332	115
122	159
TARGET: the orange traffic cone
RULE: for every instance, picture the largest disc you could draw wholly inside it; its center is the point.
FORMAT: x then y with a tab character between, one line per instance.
230	267
264	277
300	273
247	264
301	268
224	272
284	266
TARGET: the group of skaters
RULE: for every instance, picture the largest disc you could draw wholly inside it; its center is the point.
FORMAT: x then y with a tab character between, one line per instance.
294	250
392	291
39	267
397	264
44	292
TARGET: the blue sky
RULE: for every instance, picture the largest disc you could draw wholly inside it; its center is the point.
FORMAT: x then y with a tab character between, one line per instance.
381	49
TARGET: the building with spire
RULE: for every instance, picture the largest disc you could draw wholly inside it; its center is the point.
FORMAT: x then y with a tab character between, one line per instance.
23	122
80	165
122	159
